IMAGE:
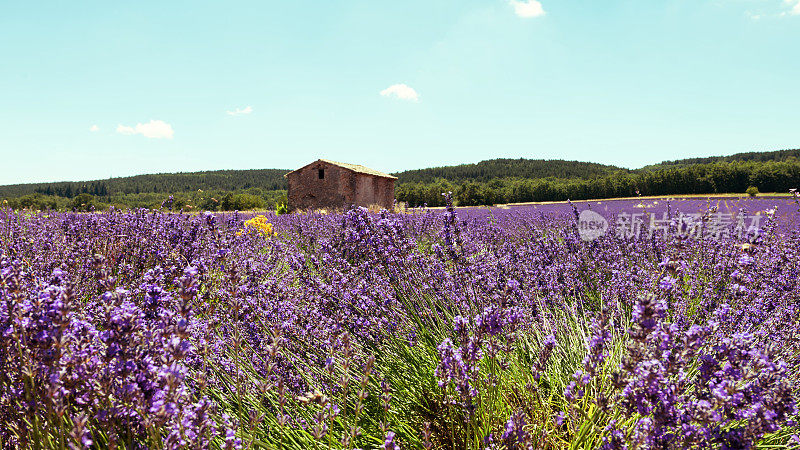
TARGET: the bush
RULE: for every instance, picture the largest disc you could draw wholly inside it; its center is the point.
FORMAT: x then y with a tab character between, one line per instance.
240	202
209	204
83	202
752	191
281	208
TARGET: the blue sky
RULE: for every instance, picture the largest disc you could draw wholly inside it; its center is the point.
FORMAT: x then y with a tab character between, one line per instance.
92	89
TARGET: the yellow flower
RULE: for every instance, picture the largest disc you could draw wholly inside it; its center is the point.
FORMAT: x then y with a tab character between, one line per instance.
260	224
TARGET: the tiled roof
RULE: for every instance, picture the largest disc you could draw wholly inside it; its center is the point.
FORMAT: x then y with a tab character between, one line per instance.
355	168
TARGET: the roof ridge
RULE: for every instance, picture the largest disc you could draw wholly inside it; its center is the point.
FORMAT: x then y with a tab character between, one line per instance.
358	168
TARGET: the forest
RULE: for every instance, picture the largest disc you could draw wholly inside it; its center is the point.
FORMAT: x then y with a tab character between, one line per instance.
165	183
777	155
712	178
488	182
493	169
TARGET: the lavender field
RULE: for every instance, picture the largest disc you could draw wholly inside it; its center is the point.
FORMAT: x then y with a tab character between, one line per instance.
481	328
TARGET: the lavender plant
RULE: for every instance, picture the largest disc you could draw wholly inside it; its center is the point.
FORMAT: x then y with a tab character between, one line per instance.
461	328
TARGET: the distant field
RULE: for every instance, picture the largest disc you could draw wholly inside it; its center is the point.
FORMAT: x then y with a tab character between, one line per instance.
787	210
777	195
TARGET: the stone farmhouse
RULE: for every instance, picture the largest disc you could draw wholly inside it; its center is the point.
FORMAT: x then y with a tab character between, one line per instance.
331	184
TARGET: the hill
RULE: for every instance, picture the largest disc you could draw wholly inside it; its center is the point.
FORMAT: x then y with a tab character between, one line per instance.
777	155
166	183
515	181
507	168
486	182
272	179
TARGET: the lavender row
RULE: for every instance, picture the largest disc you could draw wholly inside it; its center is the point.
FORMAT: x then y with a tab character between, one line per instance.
474	328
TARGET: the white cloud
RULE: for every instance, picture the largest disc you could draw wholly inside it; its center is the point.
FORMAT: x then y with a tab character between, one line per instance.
527	8
122	129
94	128
156	129
240	111
795	4
401	91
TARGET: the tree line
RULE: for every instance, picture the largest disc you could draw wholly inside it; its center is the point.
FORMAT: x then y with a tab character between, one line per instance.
485	171
485	183
777	155
713	178
199	200
167	183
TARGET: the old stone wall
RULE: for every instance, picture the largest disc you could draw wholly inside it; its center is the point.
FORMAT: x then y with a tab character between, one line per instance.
307	191
372	190
339	188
